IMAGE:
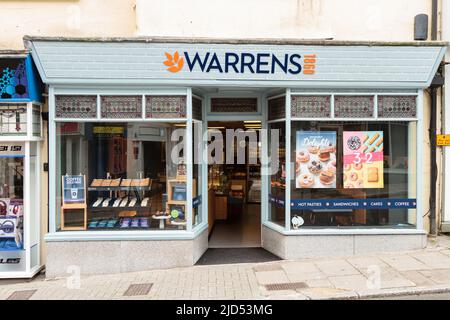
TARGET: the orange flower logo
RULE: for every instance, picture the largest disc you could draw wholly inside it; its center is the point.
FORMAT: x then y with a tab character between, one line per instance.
174	63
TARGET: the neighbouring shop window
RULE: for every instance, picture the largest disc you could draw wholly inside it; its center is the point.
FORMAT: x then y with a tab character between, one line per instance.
121	176
277	175
36	120
353	174
11	195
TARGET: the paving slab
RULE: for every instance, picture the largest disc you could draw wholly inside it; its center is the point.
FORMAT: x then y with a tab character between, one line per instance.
319	283
435	260
268	277
438	276
392	279
336	267
418	278
301	271
364	263
404	263
351	282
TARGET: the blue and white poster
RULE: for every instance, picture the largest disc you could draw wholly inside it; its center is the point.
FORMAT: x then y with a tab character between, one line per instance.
315	159
73	189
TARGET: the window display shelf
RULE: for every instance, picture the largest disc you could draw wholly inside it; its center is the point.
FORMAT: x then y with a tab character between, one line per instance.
126	208
120	188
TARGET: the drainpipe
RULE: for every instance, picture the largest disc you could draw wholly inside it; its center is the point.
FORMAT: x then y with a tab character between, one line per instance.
432	130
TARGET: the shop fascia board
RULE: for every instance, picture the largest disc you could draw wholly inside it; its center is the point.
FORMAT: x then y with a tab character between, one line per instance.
138	235
211	81
337	232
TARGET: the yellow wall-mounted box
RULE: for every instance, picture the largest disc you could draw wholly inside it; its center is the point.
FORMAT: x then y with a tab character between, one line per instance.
443	140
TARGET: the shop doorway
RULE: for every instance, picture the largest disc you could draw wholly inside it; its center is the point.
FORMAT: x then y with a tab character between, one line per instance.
234	210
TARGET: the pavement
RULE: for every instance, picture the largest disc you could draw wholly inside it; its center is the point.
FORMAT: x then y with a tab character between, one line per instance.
398	274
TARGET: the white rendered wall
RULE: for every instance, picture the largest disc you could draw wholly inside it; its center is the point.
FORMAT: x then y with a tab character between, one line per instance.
80	18
386	20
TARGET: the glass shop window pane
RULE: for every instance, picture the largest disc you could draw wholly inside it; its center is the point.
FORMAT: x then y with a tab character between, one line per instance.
11	197
277	174
134	176
197	199
353	174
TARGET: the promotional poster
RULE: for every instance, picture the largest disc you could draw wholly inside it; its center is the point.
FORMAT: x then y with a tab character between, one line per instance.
315	159
363	159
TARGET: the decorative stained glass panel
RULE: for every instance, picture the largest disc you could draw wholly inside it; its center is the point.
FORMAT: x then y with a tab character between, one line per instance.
353	106
196	108
277	108
310	106
84	107
396	106
165	107
13	119
121	107
13	79
235	105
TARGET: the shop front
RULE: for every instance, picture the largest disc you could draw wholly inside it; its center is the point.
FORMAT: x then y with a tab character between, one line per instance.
133	132
20	138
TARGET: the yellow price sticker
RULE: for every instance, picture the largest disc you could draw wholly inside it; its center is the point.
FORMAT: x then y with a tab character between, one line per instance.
443	140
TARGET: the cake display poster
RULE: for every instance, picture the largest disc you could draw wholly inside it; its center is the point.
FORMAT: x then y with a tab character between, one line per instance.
315	159
363	159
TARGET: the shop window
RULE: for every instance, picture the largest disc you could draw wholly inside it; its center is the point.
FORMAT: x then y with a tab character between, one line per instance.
74	107
197	164
277	108
310	106
396	106
121	107
353	174
235	105
13	119
165	107
277	173
36	119
353	106
121	176
11	196
196	108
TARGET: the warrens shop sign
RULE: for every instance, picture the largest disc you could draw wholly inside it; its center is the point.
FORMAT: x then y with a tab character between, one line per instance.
241	63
